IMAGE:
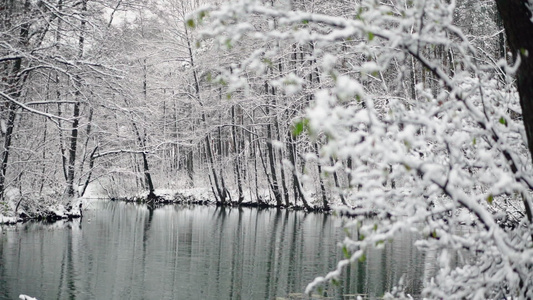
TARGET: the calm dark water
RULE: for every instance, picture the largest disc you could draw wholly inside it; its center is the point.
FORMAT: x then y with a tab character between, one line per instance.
125	251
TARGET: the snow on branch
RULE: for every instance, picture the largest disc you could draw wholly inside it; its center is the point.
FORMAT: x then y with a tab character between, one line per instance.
32	110
423	125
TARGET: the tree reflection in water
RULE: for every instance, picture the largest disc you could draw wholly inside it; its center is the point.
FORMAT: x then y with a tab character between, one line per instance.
122	250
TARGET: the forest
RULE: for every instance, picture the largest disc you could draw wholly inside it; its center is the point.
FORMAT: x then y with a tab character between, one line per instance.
415	112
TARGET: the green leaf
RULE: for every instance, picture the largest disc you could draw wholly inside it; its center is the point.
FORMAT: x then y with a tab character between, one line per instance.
474	141
222	82
347	232
202	15
305	21
300	127
359	12
228	44
370	36
346	252
191	23
503	121
267	62
490	199
335	282
333	76
361	237
362	258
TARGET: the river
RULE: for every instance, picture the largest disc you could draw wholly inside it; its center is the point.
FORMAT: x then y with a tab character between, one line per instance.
125	251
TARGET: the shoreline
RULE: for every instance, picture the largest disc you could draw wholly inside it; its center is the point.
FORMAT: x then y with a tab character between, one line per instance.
182	199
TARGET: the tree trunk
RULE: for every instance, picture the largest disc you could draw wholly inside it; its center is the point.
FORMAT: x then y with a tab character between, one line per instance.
141	140
209	151
146	169
256	172
516	17
14	81
71	192
190	167
337	184
237	156
269	179
7	147
270	150
284	188
295	178
58	95
325	204
517	20
224	191
43	164
148	177
86	155
91	166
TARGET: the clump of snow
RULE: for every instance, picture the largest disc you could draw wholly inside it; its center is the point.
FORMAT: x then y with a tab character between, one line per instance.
291	83
25	297
58	210
329	61
277	144
8	220
370	67
348	88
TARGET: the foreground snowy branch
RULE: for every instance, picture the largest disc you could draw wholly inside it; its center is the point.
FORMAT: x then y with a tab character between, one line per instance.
430	138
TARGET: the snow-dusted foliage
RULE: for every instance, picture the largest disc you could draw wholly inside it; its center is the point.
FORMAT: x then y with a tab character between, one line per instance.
424	122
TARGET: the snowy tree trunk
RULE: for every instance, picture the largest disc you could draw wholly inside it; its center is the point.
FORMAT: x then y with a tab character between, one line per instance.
71	191
272	161
10	124
299	193
517	20
517	17
237	155
15	82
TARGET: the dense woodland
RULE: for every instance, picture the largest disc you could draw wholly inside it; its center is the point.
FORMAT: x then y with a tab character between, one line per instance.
125	96
395	108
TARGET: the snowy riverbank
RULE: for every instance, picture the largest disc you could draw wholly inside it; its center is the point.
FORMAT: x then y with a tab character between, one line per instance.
19	209
203	196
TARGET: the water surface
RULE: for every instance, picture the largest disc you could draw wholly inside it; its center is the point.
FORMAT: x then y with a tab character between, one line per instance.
125	251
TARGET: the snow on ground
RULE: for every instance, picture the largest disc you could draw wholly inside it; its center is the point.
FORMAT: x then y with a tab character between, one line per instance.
17	207
7	220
